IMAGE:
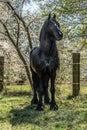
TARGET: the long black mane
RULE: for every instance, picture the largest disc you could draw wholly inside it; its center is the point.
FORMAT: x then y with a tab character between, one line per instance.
43	31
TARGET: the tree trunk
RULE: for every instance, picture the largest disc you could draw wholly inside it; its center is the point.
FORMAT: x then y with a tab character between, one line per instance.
25	65
8	34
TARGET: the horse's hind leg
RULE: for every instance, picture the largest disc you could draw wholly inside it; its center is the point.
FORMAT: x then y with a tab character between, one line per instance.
35	85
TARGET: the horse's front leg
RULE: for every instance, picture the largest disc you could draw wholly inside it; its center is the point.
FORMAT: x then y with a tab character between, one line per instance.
46	94
53	105
40	106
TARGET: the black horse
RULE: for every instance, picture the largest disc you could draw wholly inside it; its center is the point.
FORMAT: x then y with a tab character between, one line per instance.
44	61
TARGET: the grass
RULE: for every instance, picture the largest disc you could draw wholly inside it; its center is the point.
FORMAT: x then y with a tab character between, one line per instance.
16	112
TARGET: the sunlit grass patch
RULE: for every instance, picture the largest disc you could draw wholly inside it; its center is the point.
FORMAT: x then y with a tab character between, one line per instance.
16	112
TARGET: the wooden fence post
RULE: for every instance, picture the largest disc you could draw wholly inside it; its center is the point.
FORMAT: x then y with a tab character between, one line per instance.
1	72
76	74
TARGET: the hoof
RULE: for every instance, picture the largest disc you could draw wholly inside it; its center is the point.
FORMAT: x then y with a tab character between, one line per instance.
40	108
53	106
34	101
47	101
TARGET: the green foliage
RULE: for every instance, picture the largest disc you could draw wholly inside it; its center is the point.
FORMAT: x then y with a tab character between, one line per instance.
17	113
72	15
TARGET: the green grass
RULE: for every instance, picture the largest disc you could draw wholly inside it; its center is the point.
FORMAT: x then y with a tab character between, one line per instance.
16	112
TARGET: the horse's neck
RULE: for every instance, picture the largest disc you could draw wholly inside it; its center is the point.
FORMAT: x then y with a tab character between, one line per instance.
48	47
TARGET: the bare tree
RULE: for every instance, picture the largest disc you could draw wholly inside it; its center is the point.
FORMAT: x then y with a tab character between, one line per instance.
12	30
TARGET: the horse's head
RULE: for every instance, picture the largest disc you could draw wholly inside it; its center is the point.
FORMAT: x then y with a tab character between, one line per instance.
53	28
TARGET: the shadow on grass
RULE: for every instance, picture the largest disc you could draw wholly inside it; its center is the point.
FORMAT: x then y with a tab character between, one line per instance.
70	97
59	119
19	94
65	115
82	97
25	115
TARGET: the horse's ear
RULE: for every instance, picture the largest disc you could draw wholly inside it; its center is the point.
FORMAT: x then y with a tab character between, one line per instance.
54	16
49	16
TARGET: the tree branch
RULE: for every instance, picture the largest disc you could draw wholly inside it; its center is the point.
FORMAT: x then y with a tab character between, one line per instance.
32	21
23	22
3	33
18	51
7	32
18	30
83	45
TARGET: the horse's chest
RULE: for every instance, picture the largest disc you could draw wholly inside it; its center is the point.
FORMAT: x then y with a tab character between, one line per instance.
49	63
44	64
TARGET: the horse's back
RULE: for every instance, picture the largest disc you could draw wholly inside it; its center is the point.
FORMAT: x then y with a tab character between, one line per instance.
33	51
